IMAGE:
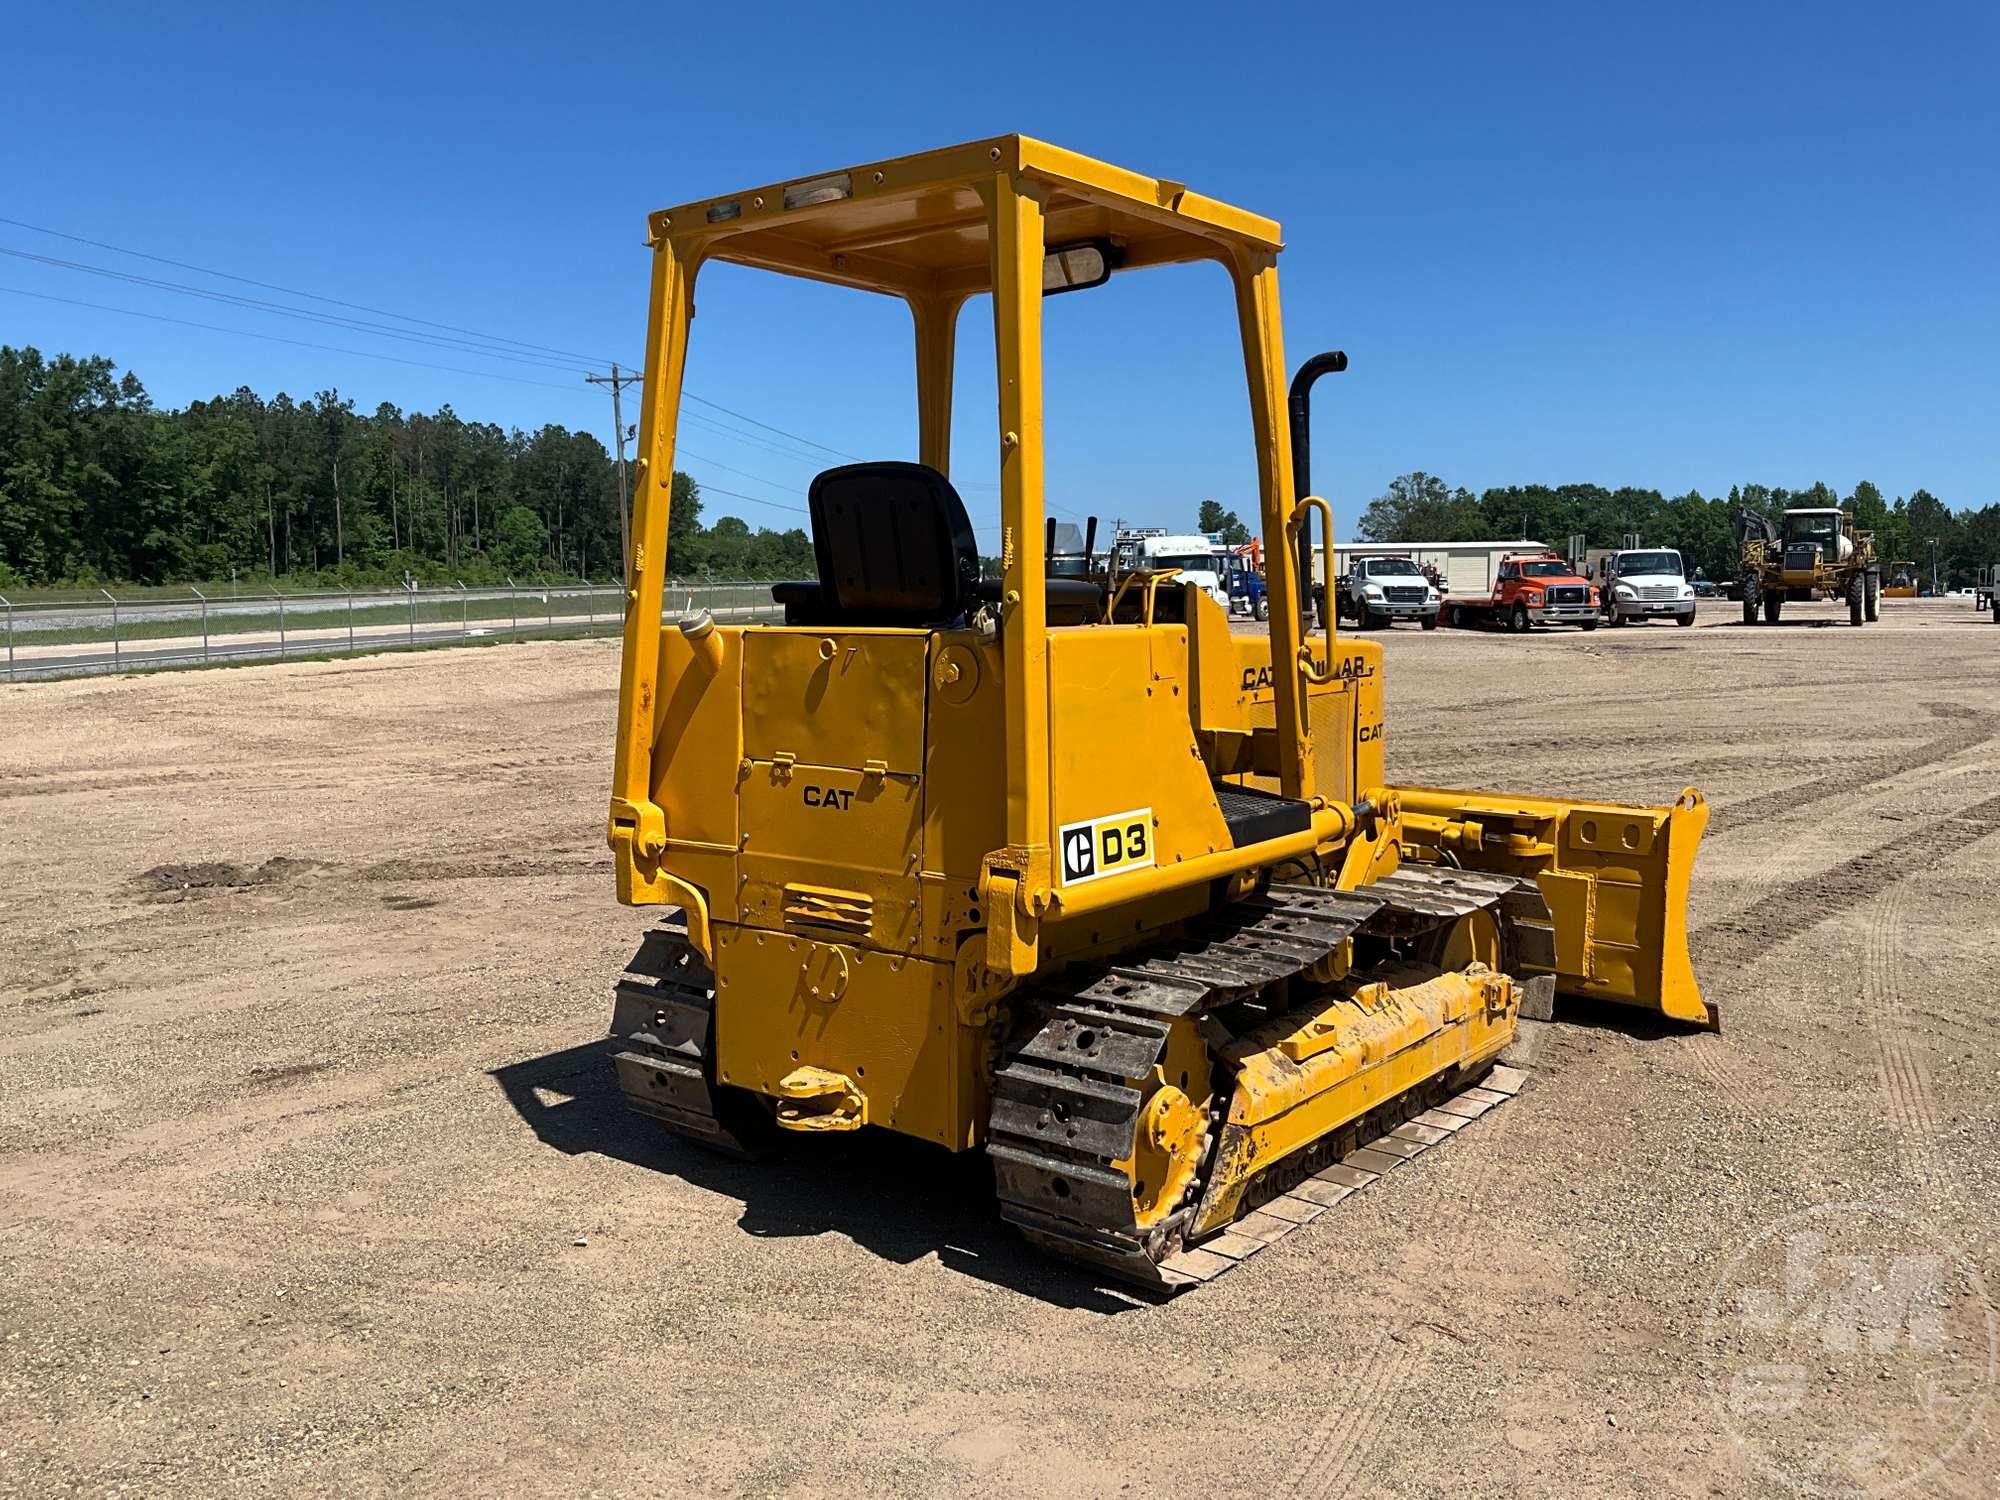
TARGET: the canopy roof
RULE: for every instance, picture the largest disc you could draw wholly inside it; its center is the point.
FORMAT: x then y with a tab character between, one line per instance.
917	225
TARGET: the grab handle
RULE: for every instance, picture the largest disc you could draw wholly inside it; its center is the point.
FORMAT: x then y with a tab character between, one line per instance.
1311	669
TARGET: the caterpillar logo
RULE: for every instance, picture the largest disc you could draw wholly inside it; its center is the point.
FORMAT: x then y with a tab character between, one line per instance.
1106	846
833	798
1347	669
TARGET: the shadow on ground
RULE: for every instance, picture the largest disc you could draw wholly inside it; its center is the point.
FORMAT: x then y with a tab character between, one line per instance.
1626	1020
895	1197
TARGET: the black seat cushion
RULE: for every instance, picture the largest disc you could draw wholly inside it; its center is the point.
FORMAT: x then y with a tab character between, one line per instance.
893	544
1071	601
803	600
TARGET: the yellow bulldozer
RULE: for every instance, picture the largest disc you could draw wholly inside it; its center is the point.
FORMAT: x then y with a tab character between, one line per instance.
1062	867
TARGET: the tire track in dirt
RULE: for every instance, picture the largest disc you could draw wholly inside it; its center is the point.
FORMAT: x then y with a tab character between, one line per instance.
69	783
1901	1069
1326	1466
1331	1459
1973	732
1565	699
1719	1066
1741	938
1715	1059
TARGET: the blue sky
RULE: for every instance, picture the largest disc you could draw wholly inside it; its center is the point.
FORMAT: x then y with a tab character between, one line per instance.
1667	245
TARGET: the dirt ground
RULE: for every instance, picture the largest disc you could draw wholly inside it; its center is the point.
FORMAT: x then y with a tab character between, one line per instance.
313	1174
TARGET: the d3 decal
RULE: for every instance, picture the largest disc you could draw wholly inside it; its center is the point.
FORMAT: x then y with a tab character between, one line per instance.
1106	846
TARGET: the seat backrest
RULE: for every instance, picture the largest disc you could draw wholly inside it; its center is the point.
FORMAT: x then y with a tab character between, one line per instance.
893	544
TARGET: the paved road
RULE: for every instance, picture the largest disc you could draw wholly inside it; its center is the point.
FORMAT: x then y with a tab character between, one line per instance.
131	658
42	662
88	615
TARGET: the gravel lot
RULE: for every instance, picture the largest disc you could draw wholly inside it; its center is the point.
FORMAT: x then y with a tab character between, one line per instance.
312	1175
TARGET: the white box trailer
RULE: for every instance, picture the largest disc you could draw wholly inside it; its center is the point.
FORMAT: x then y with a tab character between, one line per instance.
1463	567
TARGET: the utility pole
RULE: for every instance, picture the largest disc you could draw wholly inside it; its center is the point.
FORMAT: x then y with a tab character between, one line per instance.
618	381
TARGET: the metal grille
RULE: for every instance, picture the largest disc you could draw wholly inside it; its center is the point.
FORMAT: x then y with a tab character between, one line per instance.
1403	595
1326	717
1567	593
1658	591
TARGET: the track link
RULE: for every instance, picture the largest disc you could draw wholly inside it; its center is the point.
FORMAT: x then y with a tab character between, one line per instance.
663	1025
1064	1110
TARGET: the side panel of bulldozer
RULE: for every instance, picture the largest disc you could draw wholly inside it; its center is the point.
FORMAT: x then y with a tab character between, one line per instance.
1237	712
831	792
843	1036
1128	789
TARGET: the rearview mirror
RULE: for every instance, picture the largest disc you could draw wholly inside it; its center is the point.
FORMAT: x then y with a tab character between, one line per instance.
1071	268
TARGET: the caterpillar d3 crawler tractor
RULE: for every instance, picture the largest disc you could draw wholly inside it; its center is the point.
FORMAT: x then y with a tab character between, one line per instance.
1055	867
1809	553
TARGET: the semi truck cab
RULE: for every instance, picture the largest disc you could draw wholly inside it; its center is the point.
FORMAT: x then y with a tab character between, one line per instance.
1647	584
1246	587
1193	555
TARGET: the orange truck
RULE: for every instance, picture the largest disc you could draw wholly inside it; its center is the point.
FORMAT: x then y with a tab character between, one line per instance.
1530	589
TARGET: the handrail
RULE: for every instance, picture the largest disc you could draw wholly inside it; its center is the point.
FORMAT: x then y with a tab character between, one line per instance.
1150	580
1295	524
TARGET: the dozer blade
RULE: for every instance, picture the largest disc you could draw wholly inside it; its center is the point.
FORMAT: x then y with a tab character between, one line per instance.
1614	879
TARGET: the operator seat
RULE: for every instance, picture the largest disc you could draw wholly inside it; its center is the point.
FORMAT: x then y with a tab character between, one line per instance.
894	546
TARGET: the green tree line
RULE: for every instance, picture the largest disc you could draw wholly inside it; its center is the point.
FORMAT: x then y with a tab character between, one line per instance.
98	485
1419	507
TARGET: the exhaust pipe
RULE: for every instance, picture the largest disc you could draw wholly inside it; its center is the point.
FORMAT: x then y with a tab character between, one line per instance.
1299	402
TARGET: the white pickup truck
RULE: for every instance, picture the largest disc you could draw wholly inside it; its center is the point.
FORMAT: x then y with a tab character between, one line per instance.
1382	590
1646	585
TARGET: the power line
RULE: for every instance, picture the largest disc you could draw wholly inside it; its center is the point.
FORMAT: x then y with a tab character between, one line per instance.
356	307
681	451
751	440
458	345
618	380
258	304
714	489
295	292
795	437
355	325
272	338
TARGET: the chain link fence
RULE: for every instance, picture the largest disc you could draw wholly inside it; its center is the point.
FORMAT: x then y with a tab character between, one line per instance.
154	628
